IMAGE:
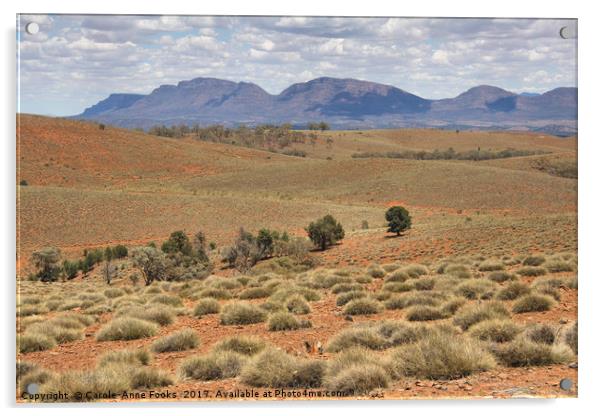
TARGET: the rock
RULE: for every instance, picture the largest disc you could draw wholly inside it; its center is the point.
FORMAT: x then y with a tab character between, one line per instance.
573	365
563	321
349	318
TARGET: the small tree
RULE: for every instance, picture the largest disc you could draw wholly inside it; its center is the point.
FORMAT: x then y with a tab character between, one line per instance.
398	219
71	269
325	232
200	246
120	251
151	263
109	271
47	261
178	242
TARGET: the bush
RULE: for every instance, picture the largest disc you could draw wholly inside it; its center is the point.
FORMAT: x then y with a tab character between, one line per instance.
571	337
147	378
541	334
534	261
500	276
325	232
512	291
242	344
525	353
126	329
398	220
206	306
274	368
441	355
298	305
495	330
32	342
346	297
531	271
533	303
424	313
214	366
47	263
182	340
470	315
241	313
362	306
284	321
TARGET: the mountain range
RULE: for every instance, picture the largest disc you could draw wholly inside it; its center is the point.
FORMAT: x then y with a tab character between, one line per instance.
343	103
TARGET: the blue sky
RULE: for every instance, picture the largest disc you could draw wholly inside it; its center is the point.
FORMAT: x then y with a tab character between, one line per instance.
76	60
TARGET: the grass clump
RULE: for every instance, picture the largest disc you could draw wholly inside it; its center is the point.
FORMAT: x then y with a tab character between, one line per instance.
500	276
285	321
206	306
533	303
495	330
571	338
214	293
470	315
346	297
362	336
217	365
512	291
526	353
476	289
534	261
113	292
126	329
168	300
376	271
298	305
242	344
346	287
242	313
441	355
182	340
559	266
132	357
362	306
31	342
359	379
415	270
414	298
491	265
460	271
159	314
541	333
532	271
146	378
275	368
255	293
424	313
397	276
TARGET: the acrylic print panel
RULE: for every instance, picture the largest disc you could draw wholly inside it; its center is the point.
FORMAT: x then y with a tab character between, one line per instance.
304	208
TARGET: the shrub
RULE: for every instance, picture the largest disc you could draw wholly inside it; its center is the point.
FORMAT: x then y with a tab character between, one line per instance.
441	355
424	313
362	306
241	314
126	329
571	337
32	342
214	366
533	303
491	265
146	378
298	305
500	276
473	314
495	330
476	289
325	232
531	271
541	334
274	368
242	344
206	306
512	291
344	298
284	321
359	379
185	339
132	357
525	353
151	262
398	220
362	336
254	293
178	242
534	261
158	314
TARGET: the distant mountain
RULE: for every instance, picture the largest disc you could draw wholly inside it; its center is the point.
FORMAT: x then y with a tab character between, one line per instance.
344	103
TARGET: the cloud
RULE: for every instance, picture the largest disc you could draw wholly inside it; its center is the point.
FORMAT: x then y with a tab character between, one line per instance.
77	60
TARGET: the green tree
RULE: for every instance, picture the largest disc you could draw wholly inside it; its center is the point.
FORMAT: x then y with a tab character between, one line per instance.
47	262
200	246
151	262
398	219
178	242
71	269
325	232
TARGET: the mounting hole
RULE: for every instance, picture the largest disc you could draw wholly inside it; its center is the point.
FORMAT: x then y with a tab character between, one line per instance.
566	384
32	28
568	32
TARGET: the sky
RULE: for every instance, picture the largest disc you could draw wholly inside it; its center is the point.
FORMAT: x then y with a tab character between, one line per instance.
75	61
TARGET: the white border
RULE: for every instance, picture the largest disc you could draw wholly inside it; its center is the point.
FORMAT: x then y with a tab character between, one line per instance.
590	158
